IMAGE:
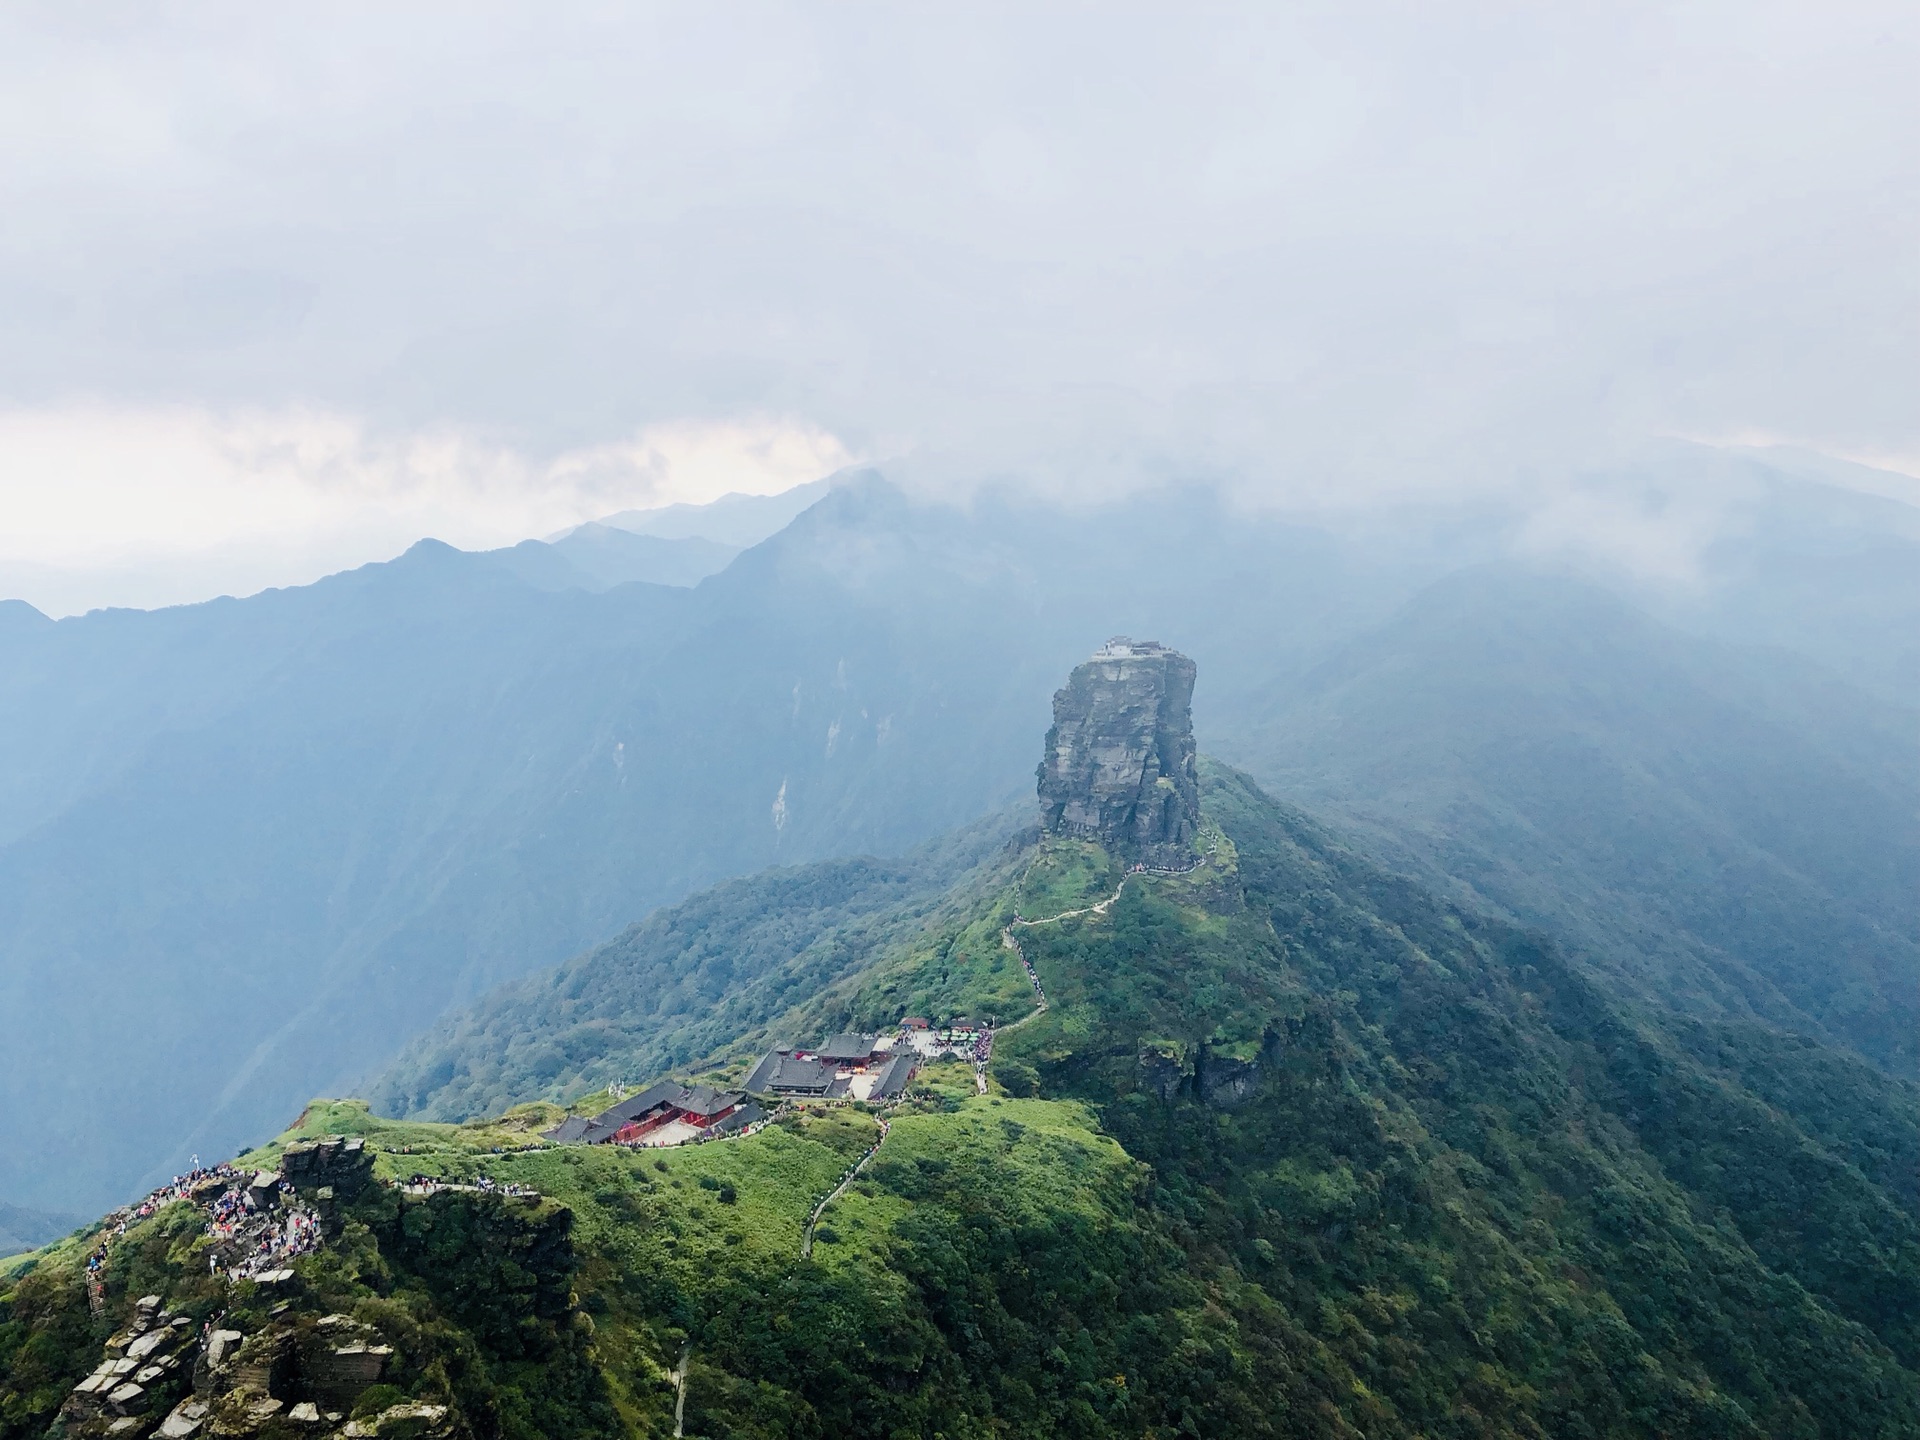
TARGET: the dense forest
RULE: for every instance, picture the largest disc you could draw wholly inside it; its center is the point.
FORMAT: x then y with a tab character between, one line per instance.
1297	1149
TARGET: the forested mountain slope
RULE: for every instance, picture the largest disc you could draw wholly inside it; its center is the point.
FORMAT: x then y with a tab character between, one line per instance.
686	981
1297	1149
1725	830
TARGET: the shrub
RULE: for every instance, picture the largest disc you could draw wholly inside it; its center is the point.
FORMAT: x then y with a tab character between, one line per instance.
376	1398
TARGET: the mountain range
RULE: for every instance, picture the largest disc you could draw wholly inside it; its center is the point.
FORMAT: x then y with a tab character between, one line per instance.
251	850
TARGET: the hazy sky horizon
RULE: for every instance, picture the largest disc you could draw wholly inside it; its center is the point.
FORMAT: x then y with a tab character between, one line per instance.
279	296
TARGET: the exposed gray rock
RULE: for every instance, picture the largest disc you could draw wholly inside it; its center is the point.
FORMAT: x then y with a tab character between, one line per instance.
412	1421
1227	1084
338	1374
146	1344
1161	1074
338	1163
185	1419
1119	766
265	1363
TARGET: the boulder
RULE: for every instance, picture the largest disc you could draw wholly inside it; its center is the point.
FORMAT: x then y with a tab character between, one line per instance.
184	1420
264	1189
146	1344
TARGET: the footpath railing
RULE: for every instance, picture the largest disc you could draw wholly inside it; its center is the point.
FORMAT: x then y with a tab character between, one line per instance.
846	1179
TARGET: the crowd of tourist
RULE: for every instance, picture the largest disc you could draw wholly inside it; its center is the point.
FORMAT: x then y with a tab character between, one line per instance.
180	1187
483	1184
276	1243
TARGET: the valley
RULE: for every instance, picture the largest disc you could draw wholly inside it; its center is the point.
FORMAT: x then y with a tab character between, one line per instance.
1293	1147
261	849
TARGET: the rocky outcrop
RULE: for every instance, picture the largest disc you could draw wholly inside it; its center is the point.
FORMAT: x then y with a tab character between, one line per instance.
340	1164
145	1367
1119	767
162	1377
1162	1073
1218	1081
1225	1083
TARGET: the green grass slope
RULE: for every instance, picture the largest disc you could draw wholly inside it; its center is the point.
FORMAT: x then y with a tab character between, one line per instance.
1295	1149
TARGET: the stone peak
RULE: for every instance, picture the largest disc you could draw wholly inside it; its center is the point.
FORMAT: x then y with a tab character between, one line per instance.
1119	765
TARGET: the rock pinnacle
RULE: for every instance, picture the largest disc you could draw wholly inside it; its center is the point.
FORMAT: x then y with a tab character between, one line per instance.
1119	766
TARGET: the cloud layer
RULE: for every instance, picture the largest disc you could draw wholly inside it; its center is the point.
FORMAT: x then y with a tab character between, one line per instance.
1319	250
119	505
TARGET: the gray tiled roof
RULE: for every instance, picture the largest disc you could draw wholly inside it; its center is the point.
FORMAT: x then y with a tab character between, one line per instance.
789	1074
741	1118
848	1047
705	1100
700	1102
893	1078
667	1092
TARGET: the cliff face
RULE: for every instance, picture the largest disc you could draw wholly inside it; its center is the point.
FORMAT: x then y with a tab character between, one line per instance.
1119	765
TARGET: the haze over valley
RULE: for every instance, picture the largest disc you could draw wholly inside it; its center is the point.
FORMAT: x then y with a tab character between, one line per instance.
254	847
1043	722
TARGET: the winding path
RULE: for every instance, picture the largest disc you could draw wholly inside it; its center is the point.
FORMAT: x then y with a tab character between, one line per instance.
813	1220
983	1054
1099	907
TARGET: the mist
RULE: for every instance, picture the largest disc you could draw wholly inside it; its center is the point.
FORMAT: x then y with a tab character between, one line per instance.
1324	257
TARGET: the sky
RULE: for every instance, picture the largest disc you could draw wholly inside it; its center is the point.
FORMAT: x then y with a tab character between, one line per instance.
282	290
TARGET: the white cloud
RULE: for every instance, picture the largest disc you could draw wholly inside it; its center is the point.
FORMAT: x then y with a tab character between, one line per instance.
1333	255
110	505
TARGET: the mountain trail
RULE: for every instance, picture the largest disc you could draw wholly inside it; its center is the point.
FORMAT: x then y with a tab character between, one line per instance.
846	1179
983	1057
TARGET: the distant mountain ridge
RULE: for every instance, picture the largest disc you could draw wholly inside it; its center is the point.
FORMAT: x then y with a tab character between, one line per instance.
250	849
598	557
1723	830
22	1230
735	519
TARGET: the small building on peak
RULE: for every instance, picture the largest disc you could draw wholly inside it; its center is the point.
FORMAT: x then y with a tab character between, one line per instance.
1124	647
